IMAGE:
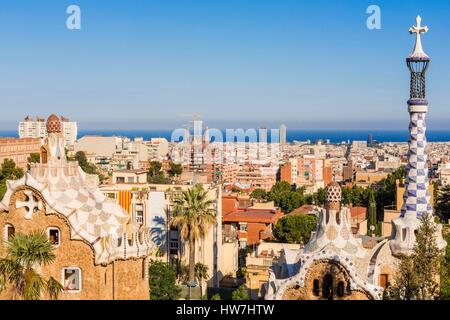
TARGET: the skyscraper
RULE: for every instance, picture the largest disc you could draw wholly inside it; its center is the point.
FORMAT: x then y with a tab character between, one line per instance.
263	135
282	134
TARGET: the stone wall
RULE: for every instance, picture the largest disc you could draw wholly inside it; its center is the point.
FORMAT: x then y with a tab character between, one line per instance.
318	273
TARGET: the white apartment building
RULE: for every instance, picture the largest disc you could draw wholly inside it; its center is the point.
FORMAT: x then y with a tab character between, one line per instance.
158	148
29	128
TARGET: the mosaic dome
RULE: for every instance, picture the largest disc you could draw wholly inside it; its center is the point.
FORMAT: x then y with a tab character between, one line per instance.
334	195
53	124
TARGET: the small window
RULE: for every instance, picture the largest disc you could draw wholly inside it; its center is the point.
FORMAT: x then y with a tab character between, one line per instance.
120	180
9	231
340	289
403	234
242	227
54	235
140	217
72	279
316	287
384	280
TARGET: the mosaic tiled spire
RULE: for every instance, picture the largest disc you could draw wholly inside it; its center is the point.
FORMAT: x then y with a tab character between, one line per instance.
417	197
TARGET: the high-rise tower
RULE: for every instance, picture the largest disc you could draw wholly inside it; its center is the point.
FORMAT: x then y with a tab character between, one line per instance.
416	199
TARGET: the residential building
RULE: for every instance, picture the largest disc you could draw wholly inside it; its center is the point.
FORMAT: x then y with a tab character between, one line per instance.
29	128
129	177
283	139
151	205
18	149
251	226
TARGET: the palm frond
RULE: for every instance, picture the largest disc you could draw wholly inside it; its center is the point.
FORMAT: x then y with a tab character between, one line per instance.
30	249
34	285
54	288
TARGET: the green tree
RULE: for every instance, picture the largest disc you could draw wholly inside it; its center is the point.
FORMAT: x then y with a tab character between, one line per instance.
162	281
216	297
445	270
8	171
86	166
240	293
443	203
295	228
258	194
156	175
175	169
155	168
320	197
33	158
285	196
416	278
25	254
201	273
193	214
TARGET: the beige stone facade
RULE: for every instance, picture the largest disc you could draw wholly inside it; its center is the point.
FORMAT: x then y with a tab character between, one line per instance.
100	253
117	280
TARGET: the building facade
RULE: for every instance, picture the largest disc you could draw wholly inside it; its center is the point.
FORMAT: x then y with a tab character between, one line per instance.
29	128
100	252
18	149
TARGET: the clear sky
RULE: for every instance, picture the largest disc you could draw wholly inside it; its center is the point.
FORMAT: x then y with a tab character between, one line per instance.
137	63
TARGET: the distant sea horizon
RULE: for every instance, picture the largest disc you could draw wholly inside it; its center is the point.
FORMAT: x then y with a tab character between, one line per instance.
335	136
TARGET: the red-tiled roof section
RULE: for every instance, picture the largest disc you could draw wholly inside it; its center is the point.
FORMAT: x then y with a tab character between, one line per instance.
304	209
358	213
253	215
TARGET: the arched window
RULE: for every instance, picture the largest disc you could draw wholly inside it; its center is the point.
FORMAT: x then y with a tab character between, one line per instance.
316	287
338	218
9	231
72	280
340	289
54	235
327	287
44	155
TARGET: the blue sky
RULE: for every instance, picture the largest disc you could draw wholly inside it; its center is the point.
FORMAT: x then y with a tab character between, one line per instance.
137	63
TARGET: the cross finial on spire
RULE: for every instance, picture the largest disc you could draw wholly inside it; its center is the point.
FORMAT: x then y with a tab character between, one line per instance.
418	30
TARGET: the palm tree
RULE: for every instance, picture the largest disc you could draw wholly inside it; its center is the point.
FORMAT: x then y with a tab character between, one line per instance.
201	273
24	254
193	214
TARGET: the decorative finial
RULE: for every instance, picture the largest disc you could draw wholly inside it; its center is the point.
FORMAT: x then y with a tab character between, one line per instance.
418	30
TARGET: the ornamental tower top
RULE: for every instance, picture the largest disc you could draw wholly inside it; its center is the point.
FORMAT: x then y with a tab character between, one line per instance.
418	62
418	52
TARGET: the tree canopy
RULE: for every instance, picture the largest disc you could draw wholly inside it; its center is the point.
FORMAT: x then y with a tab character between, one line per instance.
175	169
295	228
8	171
162	281
240	293
25	254
443	203
285	196
259	194
156	175
416	273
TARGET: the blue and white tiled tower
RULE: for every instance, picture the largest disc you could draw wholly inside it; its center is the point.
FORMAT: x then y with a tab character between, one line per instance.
416	199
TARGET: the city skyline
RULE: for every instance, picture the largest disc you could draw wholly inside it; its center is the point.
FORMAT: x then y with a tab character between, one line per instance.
236	64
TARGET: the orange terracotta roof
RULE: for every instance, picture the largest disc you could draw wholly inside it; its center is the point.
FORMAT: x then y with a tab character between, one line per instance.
253	215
